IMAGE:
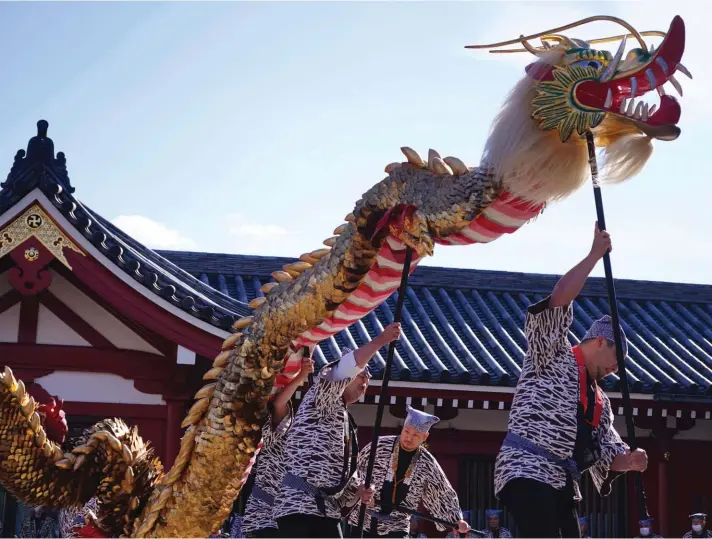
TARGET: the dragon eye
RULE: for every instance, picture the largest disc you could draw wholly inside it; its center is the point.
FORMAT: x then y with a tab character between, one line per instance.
595	64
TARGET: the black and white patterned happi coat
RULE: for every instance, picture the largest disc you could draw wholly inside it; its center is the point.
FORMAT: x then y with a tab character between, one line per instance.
545	407
428	483
315	448
268	475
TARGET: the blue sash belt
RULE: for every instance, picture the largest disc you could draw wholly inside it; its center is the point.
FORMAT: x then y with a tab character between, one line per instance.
517	442
262	495
302	485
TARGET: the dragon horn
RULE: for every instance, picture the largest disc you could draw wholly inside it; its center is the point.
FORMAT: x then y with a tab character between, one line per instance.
613	66
530	48
581	22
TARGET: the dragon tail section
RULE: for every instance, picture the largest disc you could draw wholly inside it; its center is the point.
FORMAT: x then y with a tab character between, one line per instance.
109	461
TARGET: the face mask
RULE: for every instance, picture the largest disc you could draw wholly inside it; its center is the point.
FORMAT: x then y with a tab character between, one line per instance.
644	531
697	527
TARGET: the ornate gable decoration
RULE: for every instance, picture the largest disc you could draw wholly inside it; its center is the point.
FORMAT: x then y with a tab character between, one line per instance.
35	223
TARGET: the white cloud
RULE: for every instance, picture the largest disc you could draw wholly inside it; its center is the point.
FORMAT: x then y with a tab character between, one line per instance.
152	233
238	225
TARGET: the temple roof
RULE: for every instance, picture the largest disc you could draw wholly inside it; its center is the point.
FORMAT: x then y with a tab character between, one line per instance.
38	168
465	326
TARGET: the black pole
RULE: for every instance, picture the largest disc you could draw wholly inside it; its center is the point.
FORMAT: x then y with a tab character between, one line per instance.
383	397
625	390
310	378
423	516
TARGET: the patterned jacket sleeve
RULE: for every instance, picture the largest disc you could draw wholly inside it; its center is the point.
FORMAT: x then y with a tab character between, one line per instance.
439	498
546	330
611	446
347	498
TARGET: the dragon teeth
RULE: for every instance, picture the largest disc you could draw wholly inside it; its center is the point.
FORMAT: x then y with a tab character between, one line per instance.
682	69
633	86
645	113
638	111
661	91
676	84
629	110
622	107
652	110
651	77
663	64
609	99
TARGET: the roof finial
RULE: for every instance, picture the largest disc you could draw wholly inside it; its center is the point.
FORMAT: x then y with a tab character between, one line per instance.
42	126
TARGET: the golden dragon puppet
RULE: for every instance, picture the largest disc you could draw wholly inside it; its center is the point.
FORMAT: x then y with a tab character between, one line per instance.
535	154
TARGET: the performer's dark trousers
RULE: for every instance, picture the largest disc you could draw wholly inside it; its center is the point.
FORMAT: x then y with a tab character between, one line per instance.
267	533
307	526
540	510
370	534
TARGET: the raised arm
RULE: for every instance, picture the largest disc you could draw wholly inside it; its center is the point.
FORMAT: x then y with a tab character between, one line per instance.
353	363
280	405
548	321
364	354
571	284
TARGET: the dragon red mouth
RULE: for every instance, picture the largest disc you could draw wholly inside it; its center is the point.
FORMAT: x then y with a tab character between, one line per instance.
617	96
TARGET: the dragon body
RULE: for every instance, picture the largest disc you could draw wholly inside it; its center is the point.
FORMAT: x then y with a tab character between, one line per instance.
535	154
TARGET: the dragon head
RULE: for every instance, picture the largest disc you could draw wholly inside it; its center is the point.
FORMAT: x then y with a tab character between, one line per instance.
573	88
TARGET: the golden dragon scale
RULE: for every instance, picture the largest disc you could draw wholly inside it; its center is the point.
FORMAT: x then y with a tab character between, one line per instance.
504	216
535	154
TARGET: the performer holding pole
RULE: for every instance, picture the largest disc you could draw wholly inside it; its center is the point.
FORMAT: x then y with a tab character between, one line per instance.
269	469
386	379
321	451
404	475
561	423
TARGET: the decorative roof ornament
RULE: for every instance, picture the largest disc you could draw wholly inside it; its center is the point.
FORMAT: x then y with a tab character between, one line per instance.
34	168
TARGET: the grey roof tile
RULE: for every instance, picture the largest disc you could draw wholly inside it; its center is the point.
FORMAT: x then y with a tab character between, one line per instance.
466	326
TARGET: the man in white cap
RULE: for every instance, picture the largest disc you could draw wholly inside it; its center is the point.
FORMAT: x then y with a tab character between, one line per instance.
321	450
699	526
404	475
561	423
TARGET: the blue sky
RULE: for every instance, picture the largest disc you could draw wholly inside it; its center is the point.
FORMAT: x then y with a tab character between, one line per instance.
254	127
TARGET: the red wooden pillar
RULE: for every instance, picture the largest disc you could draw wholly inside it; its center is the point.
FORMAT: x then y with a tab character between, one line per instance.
174	416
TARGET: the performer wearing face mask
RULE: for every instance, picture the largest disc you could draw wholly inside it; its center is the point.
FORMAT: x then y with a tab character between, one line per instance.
404	474
493	528
646	530
699	526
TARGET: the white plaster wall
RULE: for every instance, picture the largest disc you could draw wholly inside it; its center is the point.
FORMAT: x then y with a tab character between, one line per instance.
10	324
115	331
95	387
52	330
